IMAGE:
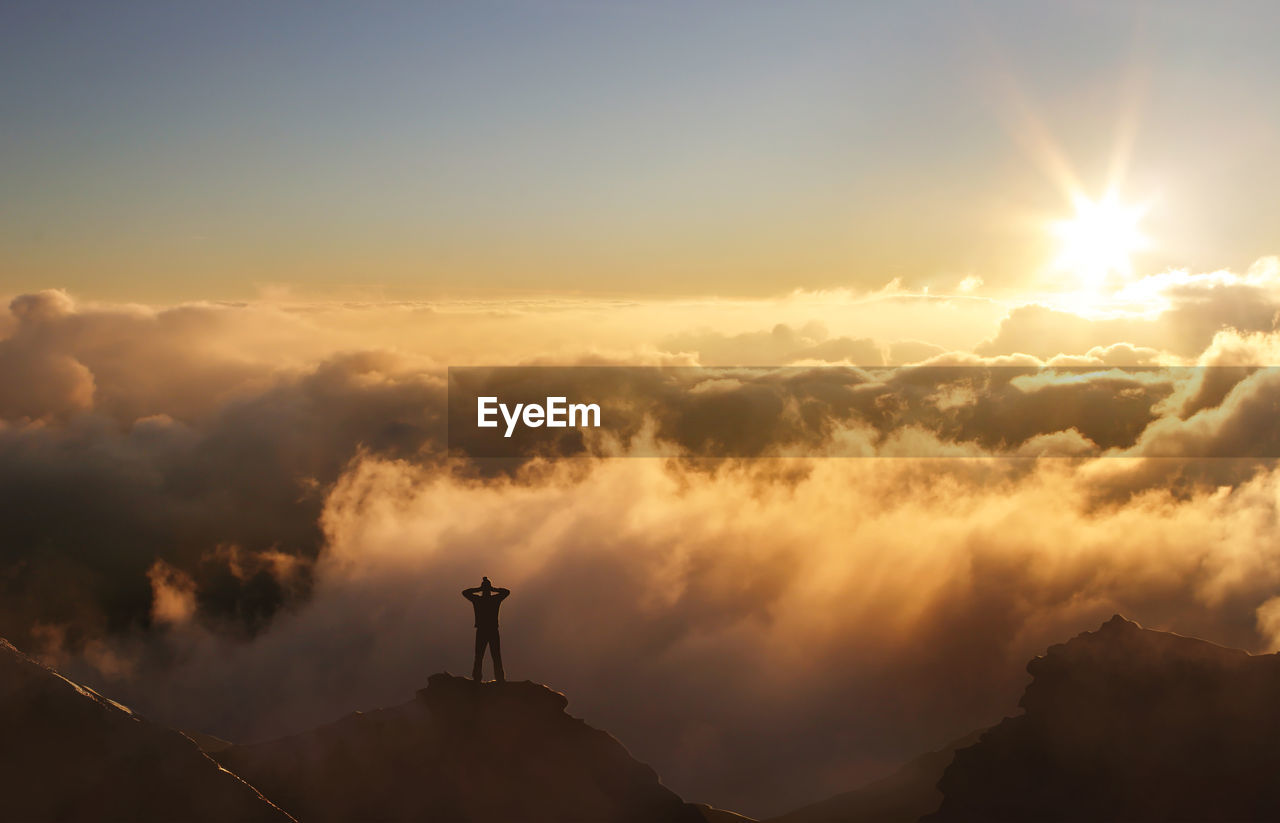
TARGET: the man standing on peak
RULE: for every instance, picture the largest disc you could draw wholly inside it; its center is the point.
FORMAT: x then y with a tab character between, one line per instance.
485	599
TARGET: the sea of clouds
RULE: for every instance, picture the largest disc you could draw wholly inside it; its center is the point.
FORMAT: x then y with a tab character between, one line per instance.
241	518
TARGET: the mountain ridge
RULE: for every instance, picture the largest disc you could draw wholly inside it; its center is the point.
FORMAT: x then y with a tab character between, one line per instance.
1179	694
1121	723
471	752
1131	724
69	753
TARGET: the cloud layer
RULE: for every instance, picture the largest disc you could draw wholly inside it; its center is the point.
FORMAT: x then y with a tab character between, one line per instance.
241	519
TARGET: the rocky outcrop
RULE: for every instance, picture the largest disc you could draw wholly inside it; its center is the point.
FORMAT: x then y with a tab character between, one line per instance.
460	751
1129	724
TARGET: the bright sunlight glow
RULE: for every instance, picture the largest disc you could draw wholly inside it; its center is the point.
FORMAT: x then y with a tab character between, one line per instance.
1100	239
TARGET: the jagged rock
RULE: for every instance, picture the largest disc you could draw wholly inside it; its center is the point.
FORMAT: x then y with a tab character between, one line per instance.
460	751
1129	724
69	754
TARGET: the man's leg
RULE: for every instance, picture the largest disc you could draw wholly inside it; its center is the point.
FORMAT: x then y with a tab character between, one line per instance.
478	668
495	649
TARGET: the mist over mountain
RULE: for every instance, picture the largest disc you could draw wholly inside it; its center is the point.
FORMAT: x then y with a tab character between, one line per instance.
267	534
840	359
1118	724
902	797
460	752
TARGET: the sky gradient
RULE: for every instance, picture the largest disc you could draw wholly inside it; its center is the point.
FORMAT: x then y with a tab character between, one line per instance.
158	151
241	242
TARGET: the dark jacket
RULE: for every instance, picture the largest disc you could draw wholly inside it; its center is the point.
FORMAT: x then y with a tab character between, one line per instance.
486	606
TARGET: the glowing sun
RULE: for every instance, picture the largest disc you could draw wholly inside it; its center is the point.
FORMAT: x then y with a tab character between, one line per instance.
1100	239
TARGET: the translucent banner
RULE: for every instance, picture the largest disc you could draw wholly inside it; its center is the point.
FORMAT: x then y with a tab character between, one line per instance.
837	411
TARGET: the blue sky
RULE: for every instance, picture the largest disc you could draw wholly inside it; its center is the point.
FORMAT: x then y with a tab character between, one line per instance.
161	150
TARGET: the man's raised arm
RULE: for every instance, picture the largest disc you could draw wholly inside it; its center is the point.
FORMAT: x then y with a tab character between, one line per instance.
501	592
471	593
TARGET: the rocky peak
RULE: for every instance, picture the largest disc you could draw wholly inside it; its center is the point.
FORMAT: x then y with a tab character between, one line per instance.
460	751
1127	723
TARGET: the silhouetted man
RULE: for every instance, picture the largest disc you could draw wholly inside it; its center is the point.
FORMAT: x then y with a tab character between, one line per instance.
485	599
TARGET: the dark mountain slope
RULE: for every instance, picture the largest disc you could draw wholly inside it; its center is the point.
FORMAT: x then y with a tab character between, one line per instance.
903	797
67	753
1129	724
460	752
